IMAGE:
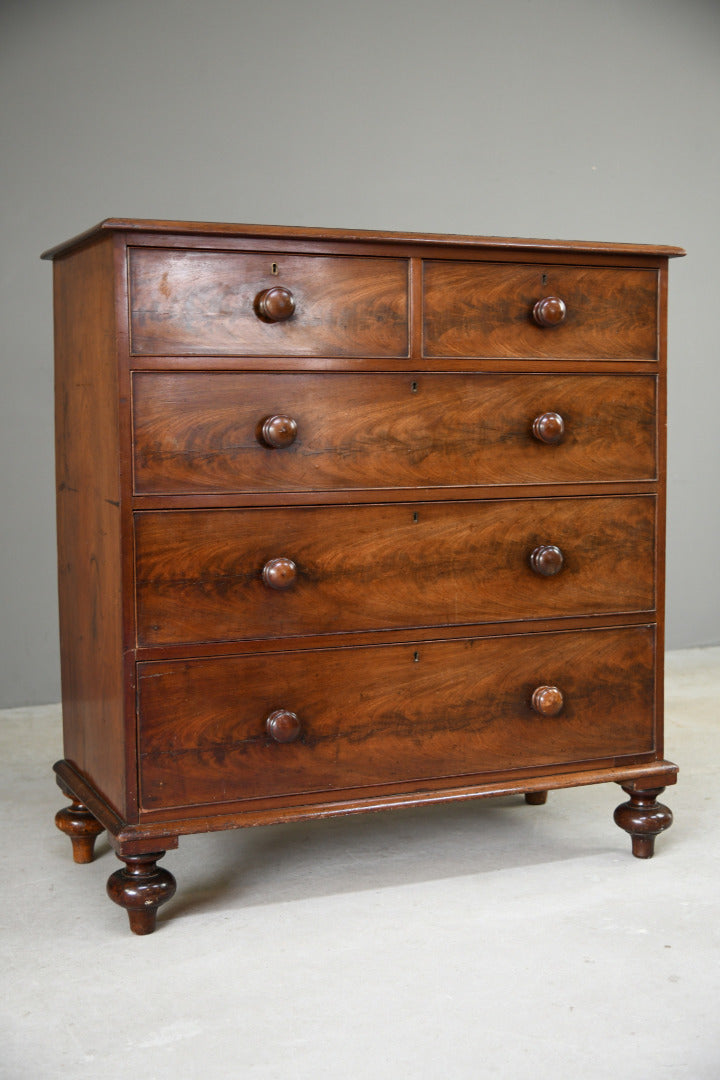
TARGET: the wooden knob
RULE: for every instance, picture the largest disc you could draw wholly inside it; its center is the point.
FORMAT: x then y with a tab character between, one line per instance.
547	560
547	700
275	304
550	311
277	432
279	573
283	726
549	428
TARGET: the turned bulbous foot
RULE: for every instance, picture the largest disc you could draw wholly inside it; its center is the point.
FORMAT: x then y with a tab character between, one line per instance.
536	798
141	887
78	823
644	818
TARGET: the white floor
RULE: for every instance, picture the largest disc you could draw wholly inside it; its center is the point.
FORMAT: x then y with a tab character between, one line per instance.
490	939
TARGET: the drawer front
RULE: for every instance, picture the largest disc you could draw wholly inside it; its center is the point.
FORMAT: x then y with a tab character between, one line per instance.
190	302
197	432
220	575
486	310
389	714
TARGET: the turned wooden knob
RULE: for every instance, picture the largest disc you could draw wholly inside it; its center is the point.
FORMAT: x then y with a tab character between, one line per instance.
550	311
279	573
547	700
282	726
549	428
547	560
277	432
275	304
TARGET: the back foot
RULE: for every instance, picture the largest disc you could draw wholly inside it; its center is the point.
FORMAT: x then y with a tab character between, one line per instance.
78	823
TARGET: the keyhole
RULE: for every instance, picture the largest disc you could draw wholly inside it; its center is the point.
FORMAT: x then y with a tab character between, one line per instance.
414	387
416	657
544	279
415	518
274	268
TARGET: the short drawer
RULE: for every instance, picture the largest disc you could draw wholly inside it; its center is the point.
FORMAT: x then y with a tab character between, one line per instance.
490	310
200	432
199	302
216	575
390	714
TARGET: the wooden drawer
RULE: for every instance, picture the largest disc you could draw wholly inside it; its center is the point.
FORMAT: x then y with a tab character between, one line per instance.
197	432
200	573
389	714
199	302
485	309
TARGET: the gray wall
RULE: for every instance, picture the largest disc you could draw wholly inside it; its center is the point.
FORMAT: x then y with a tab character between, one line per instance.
576	119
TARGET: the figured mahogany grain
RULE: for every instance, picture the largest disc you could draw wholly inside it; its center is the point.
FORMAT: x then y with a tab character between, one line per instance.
486	309
199	432
389	713
199	574
388	434
194	302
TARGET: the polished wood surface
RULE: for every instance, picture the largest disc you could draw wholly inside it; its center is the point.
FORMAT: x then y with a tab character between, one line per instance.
141	887
89	532
547	700
196	302
644	818
81	827
187	232
547	560
283	726
278	432
391	713
549	428
351	521
202	432
275	304
279	573
550	311
200	574
486	309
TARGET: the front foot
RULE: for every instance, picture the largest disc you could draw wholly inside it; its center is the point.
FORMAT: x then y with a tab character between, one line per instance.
644	818
78	823
141	887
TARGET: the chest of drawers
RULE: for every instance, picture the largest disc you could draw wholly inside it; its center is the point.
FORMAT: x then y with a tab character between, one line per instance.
350	521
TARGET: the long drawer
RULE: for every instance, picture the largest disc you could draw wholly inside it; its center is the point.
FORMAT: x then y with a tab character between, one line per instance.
199	303
214	575
196	432
488	309
390	714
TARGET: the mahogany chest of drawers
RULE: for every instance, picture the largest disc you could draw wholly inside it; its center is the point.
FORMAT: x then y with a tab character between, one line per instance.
353	520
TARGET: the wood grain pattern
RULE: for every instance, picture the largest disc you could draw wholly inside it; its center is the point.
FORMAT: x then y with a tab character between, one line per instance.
87	462
391	713
202	302
485	309
199	574
296	533
197	432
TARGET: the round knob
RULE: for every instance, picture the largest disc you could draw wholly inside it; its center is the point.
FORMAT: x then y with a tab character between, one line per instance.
547	560
278	432
282	725
275	304
549	428
547	700
279	573
550	311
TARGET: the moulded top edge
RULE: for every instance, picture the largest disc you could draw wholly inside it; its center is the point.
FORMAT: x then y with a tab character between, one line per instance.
218	229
